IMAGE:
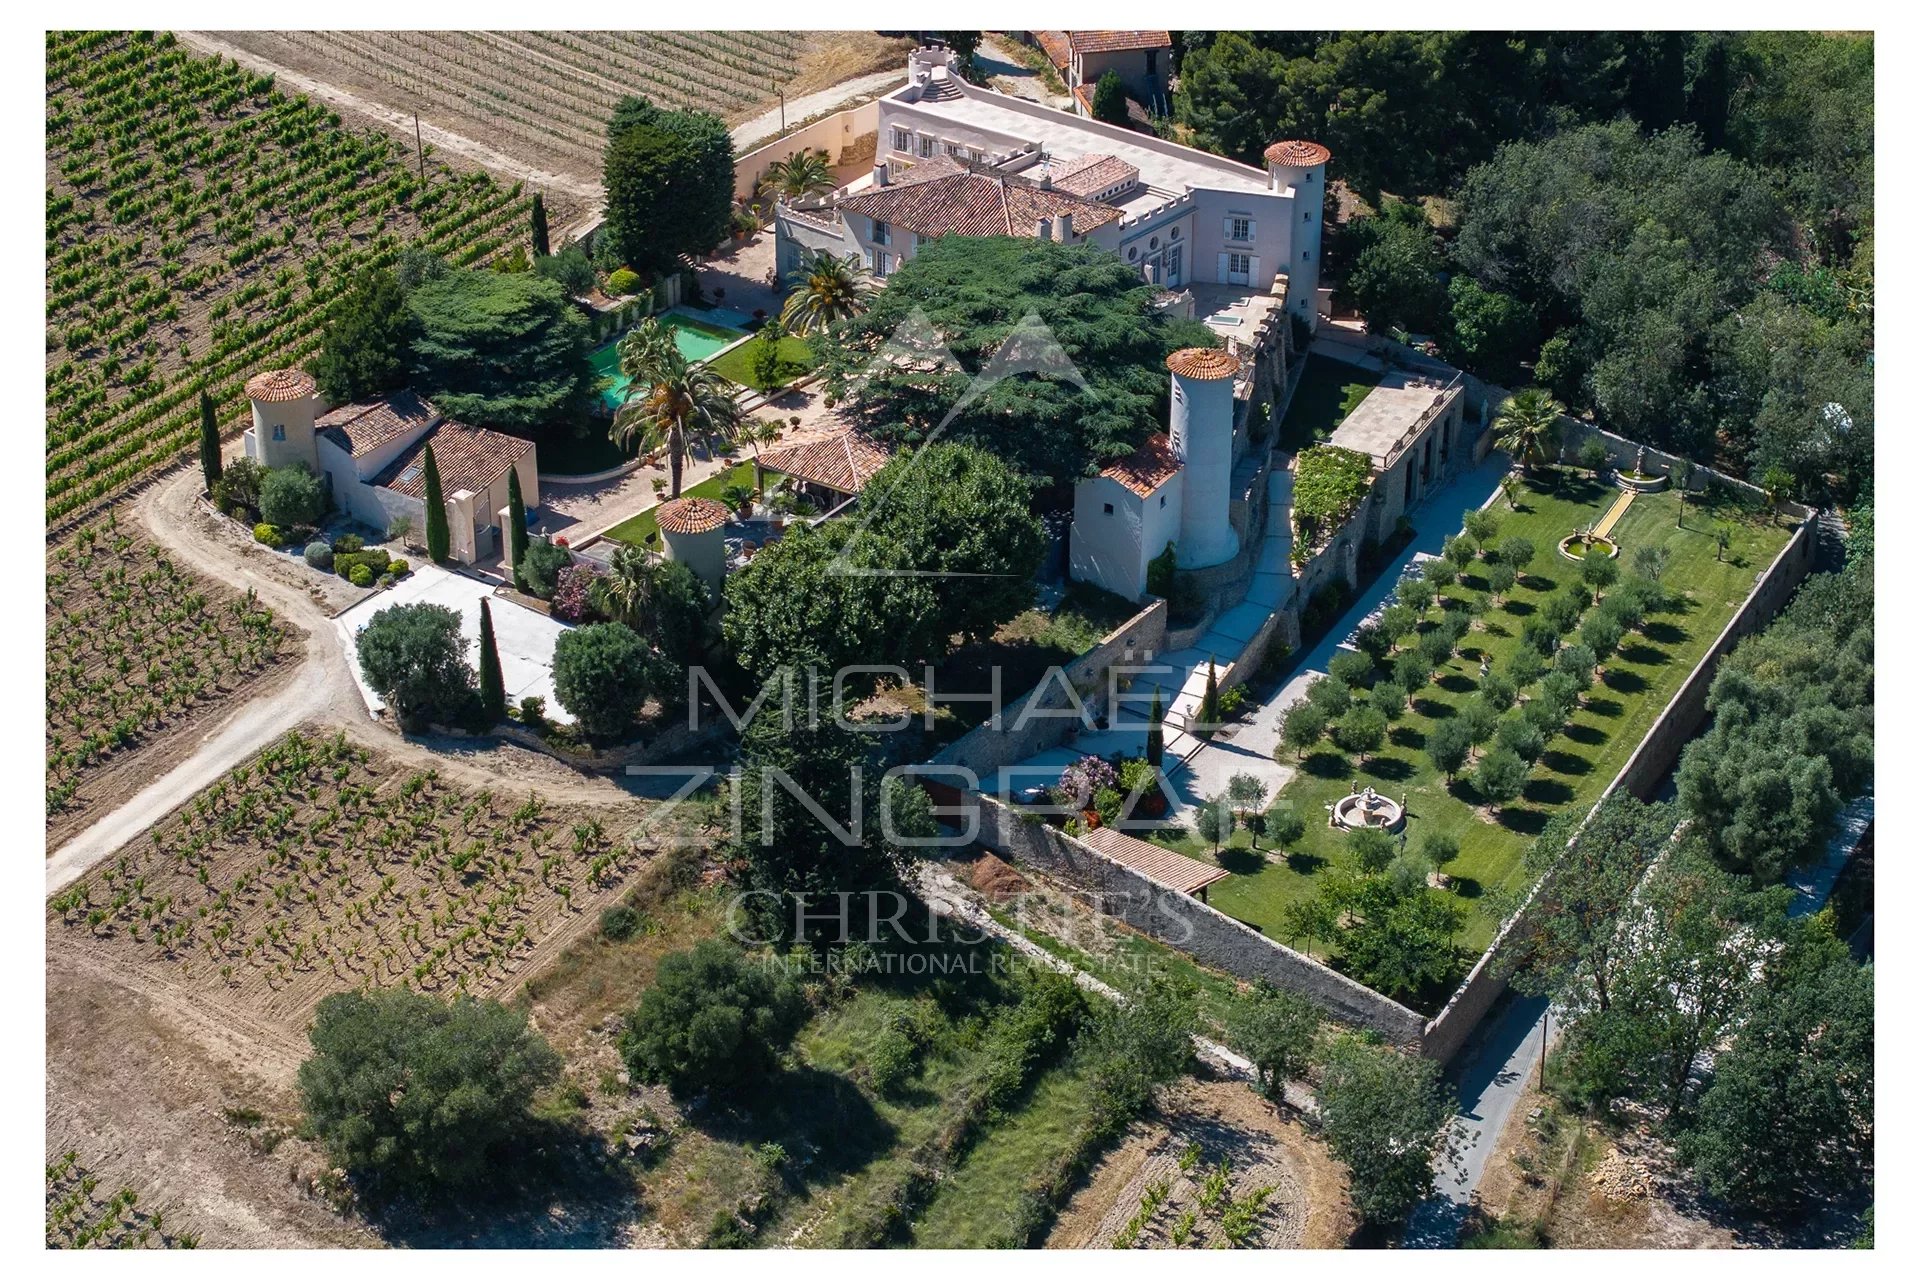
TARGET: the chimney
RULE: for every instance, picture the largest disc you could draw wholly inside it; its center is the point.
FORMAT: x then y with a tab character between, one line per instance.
1043	229
880	174
1046	180
1066	228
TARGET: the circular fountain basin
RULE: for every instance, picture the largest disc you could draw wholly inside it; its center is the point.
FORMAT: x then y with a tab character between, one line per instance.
1360	810
1574	547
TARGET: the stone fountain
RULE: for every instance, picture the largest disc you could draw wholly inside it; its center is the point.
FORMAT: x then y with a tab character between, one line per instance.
1368	808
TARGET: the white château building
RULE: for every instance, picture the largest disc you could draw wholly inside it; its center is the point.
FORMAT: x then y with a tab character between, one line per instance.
954	158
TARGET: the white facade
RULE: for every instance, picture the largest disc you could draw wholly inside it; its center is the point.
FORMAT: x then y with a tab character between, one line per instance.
1117	532
1201	429
1191	217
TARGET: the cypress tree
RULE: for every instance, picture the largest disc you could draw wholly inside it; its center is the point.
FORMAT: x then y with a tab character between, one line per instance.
493	690
209	442
1156	733
540	249
517	517
438	541
1210	701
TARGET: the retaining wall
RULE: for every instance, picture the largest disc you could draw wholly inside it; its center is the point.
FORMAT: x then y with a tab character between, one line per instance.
1176	918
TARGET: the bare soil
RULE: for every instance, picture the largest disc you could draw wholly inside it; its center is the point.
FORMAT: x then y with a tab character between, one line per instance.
1306	1208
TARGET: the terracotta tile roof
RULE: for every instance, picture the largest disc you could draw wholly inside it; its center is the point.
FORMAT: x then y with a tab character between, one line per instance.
1146	468
842	462
1298	154
277	385
1176	871
469	458
362	428
1116	41
1057	45
958	201
1204	363
691	515
1090	175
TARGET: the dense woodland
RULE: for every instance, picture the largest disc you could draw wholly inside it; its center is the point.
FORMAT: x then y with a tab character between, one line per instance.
1673	231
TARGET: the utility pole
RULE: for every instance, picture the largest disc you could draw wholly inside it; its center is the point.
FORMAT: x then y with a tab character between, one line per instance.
782	91
1544	1015
419	147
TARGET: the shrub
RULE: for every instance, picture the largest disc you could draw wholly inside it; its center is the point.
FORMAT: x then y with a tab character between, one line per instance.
360	575
268	535
603	673
533	711
414	657
573	595
622	284
1331	696
320	556
239	485
399	568
1352	669
539	571
348	543
292	496
472	1068
619	922
711	1020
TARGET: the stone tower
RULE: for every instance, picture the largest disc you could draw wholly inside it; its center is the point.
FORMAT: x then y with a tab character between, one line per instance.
283	407
691	529
1301	166
1201	428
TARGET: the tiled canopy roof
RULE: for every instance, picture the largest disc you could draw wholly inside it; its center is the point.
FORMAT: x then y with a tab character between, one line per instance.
1204	363
1117	41
691	515
842	462
1298	154
468	458
1162	866
1090	175
277	385
957	201
1147	468
362	428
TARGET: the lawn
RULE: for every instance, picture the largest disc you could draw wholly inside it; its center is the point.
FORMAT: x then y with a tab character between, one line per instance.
736	365
1329	390
640	530
1636	685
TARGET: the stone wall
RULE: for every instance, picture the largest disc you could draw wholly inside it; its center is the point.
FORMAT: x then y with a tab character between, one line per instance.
1178	919
987	748
1639	777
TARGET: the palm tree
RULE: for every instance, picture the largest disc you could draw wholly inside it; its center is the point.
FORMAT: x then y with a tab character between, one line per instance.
804	174
668	399
825	289
1528	424
626	592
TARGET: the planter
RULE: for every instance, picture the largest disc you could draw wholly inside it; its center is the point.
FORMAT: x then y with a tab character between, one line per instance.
1640	483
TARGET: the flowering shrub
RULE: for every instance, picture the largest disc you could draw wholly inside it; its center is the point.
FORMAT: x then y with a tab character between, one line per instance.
1083	778
573	597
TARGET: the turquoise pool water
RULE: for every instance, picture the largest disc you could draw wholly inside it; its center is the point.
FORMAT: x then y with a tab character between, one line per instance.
698	338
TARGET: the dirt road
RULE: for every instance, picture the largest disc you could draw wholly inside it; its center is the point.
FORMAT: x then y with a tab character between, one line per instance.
321	692
767	124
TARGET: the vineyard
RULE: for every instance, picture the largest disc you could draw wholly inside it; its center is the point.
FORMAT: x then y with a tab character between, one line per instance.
198	223
135	644
318	867
547	95
78	1217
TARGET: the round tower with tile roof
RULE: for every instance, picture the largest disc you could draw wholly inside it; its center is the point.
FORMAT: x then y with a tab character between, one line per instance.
1200	426
1302	167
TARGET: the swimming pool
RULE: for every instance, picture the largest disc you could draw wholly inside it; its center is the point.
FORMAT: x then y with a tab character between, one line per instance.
699	338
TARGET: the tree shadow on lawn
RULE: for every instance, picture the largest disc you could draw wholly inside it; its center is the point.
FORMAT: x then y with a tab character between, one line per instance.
1565	762
1663	633
1494	628
1526	822
1407	737
1645	655
1585	734
1627	682
1454	682
1388	769
1305	864
1242	862
561	1188
1327	764
1519	608
1605	708
1546	792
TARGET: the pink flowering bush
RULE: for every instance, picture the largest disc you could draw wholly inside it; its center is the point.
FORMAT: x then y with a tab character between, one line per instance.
1084	778
573	597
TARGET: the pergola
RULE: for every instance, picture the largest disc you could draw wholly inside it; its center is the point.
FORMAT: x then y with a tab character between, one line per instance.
1162	866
